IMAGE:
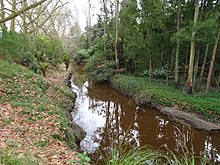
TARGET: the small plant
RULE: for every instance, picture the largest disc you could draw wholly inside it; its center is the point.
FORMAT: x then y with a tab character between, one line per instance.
83	158
43	68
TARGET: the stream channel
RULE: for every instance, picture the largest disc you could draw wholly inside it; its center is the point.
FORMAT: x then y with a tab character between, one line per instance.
109	117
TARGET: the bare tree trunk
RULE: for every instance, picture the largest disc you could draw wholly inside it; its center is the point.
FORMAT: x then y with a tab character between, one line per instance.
88	25
218	82
116	35
105	22
196	71
189	82
12	27
204	63
24	23
177	44
209	78
2	13
150	69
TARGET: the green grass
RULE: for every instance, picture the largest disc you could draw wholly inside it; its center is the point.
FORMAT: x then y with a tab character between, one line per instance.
160	93
9	156
122	155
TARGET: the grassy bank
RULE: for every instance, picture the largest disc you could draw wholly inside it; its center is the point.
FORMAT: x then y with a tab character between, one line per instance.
144	91
34	127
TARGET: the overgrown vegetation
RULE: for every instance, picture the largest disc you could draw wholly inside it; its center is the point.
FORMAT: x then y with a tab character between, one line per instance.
172	40
159	93
35	52
133	155
33	109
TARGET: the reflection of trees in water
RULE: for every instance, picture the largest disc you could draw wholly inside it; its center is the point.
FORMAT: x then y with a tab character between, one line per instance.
130	126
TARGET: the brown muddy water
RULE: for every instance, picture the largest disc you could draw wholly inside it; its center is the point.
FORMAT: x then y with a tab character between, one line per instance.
109	117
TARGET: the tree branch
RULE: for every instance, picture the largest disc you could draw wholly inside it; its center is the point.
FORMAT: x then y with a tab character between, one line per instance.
21	11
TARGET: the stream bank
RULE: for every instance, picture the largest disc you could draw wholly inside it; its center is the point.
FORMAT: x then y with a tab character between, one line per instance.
143	96
33	123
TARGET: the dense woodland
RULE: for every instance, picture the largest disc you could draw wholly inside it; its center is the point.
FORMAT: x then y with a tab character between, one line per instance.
175	41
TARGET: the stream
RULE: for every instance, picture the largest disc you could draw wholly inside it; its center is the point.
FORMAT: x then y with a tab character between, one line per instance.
109	117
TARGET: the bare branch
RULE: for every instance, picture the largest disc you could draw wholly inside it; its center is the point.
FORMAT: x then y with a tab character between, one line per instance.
21	11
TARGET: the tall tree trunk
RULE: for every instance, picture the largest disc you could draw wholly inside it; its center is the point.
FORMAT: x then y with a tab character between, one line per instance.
204	63
2	13
218	82
189	82
12	27
105	23
209	78
196	71
177	44
116	35
88	24
24	23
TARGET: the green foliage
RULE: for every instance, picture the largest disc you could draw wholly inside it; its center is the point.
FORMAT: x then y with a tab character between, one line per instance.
43	67
159	72
10	156
82	55
133	156
66	60
122	155
10	46
99	69
83	158
31	51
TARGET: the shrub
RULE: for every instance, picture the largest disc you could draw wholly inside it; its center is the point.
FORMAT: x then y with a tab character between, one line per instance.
158	72
10	46
82	55
99	69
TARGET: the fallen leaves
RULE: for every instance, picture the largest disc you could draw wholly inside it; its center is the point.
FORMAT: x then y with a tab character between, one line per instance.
35	137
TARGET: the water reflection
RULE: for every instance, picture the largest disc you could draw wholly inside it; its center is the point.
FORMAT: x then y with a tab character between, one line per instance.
111	118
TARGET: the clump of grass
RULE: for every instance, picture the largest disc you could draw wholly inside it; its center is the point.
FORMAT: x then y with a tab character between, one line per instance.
185	159
9	156
121	155
133	156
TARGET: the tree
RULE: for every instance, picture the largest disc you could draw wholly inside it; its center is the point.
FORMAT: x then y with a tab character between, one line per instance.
116	35
2	13
189	82
209	78
176	77
13	9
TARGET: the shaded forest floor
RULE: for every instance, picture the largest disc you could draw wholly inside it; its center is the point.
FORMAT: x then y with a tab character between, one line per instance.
158	93
33	125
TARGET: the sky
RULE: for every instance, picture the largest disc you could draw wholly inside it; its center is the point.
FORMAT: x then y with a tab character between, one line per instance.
82	5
